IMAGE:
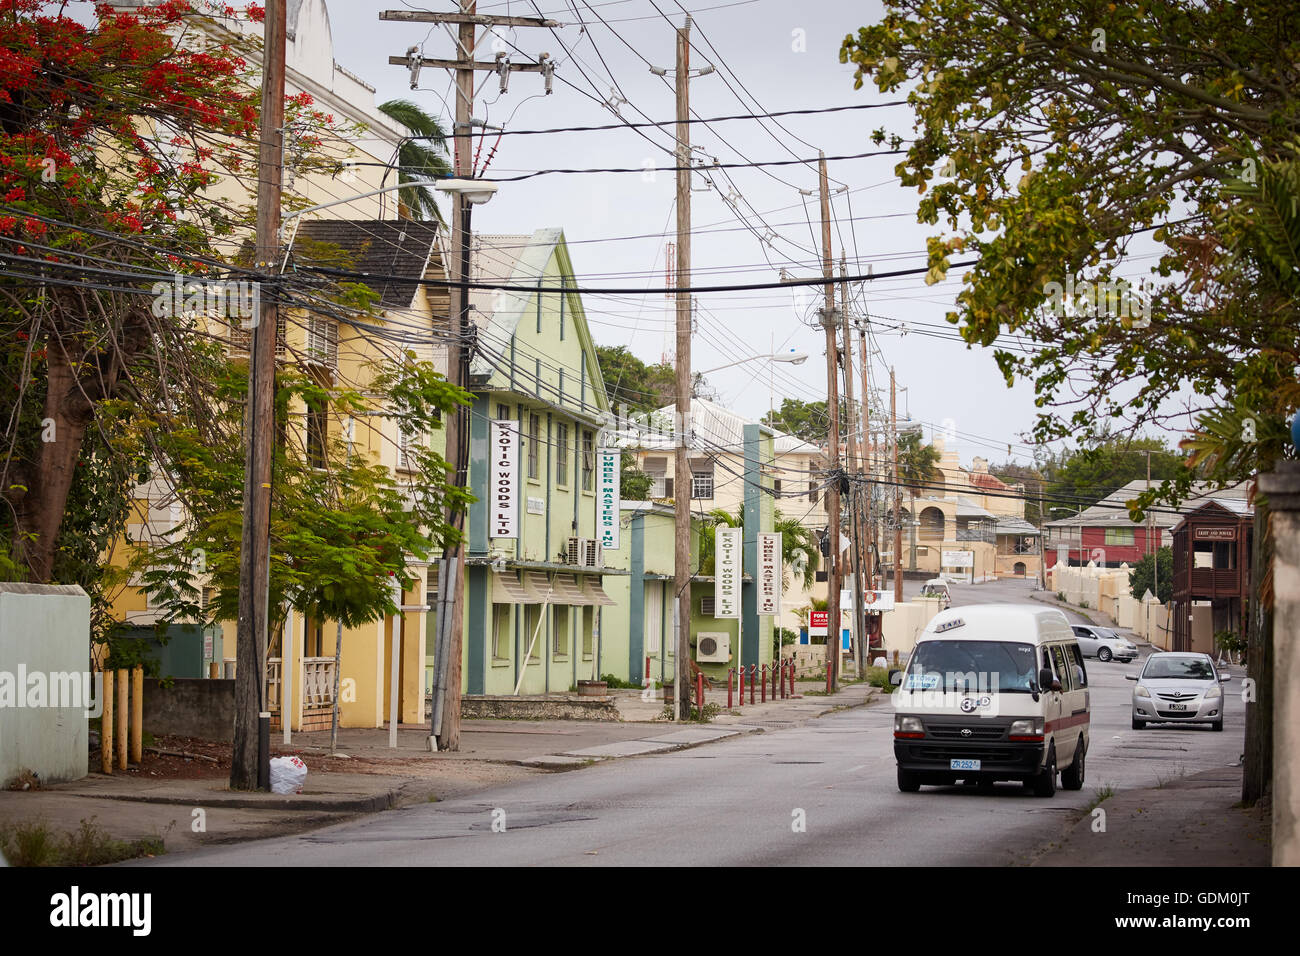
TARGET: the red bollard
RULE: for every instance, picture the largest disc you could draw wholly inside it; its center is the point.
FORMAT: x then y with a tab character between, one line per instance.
731	675
765	683
699	691
741	672
782	679
753	679
647	667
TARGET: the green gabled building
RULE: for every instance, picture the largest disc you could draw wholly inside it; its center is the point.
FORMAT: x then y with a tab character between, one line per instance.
533	601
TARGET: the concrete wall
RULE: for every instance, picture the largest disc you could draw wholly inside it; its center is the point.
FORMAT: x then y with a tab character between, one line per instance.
190	708
44	630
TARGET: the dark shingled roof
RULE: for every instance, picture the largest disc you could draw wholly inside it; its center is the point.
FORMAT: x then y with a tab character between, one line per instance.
400	249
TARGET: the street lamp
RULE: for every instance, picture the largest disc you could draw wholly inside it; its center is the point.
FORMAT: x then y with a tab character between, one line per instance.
467	194
789	358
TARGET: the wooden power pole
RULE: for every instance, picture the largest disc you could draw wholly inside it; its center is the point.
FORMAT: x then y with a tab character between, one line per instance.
444	725
833	458
250	757
853	464
681	467
898	496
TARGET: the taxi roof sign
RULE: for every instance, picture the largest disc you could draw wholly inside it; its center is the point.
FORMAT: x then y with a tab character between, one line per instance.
949	625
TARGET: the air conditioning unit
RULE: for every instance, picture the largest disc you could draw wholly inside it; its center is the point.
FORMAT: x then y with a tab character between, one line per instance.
573	551
593	554
713	647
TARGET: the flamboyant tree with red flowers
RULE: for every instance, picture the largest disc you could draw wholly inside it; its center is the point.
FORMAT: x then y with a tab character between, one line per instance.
112	139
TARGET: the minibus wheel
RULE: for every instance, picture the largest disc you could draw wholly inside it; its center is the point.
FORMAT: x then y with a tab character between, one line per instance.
1072	776
908	782
1045	782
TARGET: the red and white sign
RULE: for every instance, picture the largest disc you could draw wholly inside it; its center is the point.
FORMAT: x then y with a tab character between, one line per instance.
818	622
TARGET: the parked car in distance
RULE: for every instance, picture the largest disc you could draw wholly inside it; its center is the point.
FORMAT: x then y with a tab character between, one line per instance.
1179	688
937	587
1103	643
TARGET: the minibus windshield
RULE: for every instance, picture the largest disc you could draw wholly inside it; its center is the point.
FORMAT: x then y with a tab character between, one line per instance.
1001	666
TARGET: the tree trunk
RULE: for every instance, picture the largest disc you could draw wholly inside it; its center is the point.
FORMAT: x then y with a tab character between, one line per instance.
1257	773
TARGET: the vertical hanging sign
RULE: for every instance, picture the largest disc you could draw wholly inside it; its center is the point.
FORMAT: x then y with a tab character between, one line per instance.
504	487
727	572
769	572
607	497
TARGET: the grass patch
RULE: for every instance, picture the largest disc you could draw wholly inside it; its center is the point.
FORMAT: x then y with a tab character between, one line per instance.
879	677
711	710
34	844
1163	781
1104	793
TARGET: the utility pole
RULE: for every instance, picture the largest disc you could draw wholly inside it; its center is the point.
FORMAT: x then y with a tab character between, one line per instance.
833	410
869	447
859	609
444	725
250	767
682	487
898	498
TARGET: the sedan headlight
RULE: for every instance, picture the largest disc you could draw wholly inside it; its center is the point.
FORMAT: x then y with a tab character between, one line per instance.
1141	691
1213	693
908	725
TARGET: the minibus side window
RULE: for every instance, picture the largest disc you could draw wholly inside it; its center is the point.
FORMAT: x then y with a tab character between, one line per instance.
1080	672
1062	672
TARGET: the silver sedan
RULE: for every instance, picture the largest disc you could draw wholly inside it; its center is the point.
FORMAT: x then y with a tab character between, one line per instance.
1178	687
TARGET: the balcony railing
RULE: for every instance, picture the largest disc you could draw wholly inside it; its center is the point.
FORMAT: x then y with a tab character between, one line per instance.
317	688
978	533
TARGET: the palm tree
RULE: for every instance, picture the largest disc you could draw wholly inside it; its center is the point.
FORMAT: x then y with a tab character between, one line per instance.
918	465
419	160
799	551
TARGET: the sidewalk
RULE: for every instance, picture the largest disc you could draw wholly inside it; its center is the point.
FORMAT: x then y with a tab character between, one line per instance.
366	776
1192	821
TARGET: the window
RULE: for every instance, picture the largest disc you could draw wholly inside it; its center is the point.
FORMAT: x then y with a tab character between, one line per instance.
501	631
533	626
1119	536
503	411
588	460
323	342
561	454
561	616
812	490
701	477
405	443
534	444
1062	672
661	486
1080	671
776	486
588	618
707	606
317	433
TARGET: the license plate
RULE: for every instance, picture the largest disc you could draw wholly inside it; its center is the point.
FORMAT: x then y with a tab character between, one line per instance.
963	764
1177	706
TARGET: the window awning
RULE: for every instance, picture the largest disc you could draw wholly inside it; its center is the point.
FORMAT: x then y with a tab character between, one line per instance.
591	587
544	592
506	589
568	592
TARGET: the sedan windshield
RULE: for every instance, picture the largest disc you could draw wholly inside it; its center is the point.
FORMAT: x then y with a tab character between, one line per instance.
1178	668
973	665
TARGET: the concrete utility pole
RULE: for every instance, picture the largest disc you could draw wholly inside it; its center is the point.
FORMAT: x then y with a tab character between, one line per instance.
898	496
833	458
681	467
250	766
444	725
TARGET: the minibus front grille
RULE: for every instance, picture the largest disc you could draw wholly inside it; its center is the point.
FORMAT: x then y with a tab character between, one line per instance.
966	732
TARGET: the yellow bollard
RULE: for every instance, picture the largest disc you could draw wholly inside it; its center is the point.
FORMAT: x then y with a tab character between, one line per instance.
123	712
214	670
106	726
137	713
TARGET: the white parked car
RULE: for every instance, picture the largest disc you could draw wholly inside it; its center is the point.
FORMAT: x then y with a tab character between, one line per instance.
1103	643
1179	687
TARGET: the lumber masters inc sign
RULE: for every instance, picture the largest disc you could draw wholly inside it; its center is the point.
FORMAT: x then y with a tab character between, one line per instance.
504	486
769	572
607	498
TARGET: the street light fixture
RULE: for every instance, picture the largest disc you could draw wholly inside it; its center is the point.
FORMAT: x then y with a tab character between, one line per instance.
476	191
788	358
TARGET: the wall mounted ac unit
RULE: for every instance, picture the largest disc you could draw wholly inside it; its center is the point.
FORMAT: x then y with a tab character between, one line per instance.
573	551
713	647
593	554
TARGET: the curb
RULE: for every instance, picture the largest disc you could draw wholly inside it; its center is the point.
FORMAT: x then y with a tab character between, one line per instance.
369	803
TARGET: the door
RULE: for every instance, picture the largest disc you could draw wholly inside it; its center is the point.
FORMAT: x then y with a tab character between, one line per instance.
1074	707
1053	701
1087	643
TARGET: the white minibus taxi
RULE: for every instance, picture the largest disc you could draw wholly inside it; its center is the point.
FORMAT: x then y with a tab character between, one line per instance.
993	692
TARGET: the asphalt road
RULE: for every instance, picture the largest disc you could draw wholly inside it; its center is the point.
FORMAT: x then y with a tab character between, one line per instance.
740	801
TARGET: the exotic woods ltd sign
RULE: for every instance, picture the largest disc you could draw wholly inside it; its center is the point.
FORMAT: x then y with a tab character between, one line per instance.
727	571
607	499
505	478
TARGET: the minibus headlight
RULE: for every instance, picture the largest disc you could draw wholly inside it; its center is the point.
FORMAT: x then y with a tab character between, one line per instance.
1029	729
908	726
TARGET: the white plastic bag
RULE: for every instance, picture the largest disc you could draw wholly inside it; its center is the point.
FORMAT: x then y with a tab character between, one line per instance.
287	774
